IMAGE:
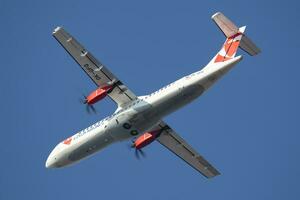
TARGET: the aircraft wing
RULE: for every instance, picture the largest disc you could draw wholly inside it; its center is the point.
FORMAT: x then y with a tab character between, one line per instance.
93	68
172	141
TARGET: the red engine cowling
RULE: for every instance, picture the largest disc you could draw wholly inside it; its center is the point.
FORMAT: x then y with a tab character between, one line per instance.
98	94
145	139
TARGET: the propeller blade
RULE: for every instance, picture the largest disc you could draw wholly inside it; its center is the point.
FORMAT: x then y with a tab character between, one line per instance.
93	109
136	153
88	109
142	153
132	144
83	100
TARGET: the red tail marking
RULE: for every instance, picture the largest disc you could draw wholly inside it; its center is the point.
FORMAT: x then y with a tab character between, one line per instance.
229	48
68	141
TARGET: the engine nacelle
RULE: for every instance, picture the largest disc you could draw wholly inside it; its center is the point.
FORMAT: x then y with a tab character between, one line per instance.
98	94
146	139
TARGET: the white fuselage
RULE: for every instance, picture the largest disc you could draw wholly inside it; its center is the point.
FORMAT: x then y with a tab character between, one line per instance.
138	116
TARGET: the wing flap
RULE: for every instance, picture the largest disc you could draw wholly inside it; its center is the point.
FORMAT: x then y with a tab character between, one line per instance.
172	141
99	74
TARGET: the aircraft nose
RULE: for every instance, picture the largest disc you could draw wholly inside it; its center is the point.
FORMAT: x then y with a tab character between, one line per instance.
58	157
50	163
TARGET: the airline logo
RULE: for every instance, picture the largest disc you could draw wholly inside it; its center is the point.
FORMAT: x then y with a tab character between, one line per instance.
229	48
67	141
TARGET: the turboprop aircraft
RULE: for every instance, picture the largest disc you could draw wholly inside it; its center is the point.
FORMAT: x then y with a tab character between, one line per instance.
141	117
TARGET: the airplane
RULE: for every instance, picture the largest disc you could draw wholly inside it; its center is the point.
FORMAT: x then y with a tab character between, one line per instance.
140	118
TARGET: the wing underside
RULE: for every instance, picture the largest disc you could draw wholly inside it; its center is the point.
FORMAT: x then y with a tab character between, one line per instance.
100	75
172	141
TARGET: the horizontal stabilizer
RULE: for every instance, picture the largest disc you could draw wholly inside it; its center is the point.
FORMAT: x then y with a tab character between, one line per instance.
227	27
247	45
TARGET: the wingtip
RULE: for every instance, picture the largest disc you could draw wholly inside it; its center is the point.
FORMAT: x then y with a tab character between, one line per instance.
56	29
216	14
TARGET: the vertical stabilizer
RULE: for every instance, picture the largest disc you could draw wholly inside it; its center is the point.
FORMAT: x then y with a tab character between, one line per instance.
230	47
235	38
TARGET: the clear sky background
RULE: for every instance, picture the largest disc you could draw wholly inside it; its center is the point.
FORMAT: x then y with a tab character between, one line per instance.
247	125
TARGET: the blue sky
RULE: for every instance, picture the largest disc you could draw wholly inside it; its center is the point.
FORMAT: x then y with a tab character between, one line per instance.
247	125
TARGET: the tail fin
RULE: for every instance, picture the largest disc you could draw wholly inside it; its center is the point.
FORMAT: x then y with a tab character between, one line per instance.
235	38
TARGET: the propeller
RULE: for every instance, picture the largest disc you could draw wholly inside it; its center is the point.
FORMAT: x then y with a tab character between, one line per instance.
89	107
137	152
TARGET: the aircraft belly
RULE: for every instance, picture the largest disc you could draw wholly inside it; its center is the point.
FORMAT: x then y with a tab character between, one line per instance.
138	120
143	123
98	142
175	100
